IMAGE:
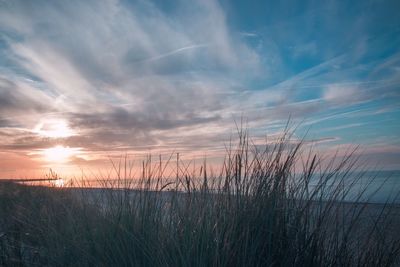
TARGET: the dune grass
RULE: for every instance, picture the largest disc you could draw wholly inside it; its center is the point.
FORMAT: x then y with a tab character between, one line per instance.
259	210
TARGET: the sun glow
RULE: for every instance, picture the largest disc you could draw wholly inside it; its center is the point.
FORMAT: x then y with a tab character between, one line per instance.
54	128
60	153
59	183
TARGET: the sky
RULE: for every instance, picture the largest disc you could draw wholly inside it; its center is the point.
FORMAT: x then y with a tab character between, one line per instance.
83	82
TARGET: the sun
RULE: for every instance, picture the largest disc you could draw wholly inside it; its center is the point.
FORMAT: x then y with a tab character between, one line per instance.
53	128
59	153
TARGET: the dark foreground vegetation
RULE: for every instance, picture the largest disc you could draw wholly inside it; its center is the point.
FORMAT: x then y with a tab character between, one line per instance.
258	211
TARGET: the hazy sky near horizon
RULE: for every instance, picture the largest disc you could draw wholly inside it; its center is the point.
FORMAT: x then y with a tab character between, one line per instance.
81	81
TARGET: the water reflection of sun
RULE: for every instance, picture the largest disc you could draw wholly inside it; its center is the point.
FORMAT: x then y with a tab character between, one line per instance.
59	183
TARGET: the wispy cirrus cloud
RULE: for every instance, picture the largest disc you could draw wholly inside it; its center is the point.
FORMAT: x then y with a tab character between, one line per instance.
130	75
123	76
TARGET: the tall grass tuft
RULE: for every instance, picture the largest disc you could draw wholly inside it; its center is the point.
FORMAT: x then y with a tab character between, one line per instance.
273	205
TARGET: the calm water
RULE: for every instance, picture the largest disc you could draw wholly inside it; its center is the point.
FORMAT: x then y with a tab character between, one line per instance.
375	187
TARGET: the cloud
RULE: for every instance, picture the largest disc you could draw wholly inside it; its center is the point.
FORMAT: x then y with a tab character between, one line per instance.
21	98
341	94
137	74
121	75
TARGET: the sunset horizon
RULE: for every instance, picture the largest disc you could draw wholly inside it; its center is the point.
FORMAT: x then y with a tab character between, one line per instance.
83	82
